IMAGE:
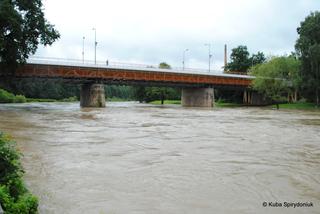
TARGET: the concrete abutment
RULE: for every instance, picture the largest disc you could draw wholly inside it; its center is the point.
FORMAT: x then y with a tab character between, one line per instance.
197	97
92	95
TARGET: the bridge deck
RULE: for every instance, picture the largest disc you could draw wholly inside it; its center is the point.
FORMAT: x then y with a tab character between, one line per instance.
129	74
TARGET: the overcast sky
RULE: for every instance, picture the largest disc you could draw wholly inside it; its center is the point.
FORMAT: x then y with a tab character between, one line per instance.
153	31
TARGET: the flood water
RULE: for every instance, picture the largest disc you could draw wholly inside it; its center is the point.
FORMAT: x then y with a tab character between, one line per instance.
139	158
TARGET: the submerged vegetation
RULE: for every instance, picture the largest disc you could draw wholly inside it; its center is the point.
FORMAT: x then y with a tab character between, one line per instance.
14	196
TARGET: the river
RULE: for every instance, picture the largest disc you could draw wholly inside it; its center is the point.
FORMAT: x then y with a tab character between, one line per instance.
140	158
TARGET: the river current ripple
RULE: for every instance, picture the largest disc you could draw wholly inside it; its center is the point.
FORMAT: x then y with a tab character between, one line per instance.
140	158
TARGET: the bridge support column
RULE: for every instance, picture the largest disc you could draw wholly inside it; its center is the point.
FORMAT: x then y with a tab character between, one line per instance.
197	97
92	95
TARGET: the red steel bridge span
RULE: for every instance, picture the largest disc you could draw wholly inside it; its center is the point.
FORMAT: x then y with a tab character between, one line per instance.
197	85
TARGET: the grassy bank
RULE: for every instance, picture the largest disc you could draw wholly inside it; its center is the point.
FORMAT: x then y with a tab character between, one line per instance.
14	196
158	102
70	99
300	106
178	102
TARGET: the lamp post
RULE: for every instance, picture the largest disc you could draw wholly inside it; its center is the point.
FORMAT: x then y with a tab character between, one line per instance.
209	46
183	57
83	49
95	45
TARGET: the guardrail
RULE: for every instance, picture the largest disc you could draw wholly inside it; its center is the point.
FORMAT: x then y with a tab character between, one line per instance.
131	66
113	64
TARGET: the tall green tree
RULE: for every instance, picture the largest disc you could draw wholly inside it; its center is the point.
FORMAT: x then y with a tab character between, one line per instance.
241	60
22	28
277	78
258	58
308	49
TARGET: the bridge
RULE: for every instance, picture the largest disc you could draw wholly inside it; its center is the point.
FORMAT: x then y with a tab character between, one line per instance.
197	84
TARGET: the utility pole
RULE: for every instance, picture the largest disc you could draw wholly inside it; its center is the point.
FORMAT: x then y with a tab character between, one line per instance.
83	38
183	58
225	57
95	45
209	46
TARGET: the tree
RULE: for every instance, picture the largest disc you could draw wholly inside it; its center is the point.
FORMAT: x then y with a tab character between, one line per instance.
241	60
23	28
258	58
308	50
276	78
164	65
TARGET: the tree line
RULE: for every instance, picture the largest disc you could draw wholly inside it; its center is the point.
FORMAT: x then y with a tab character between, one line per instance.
286	78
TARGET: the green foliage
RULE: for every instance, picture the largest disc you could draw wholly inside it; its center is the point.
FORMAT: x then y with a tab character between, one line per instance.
119	92
241	60
20	99
162	93
43	89
149	94
164	65
14	197
258	58
276	78
70	99
6	97
308	49
23	27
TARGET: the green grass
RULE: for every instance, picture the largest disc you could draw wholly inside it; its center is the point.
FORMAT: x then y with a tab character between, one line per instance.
31	100
178	102
70	99
300	106
158	102
222	104
117	99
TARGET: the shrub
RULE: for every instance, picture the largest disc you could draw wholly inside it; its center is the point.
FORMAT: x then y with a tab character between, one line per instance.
20	99
14	196
7	97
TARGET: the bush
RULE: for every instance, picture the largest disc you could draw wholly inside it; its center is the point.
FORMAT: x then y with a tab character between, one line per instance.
7	97
20	99
14	196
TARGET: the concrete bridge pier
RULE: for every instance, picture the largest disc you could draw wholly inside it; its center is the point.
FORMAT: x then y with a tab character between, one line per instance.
92	95
197	97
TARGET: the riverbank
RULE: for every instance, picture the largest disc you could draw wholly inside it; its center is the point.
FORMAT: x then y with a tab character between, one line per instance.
14	196
178	102
298	106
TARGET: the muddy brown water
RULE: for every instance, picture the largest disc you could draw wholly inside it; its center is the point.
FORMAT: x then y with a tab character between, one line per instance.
139	158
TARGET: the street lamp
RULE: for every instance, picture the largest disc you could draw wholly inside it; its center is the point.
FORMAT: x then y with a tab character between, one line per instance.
183	57
95	45
83	49
209	46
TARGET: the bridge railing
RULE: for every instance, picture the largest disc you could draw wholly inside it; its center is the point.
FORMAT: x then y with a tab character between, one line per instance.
131	66
113	64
